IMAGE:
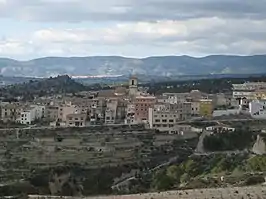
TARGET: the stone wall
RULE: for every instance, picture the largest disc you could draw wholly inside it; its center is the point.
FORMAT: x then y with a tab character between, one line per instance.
50	132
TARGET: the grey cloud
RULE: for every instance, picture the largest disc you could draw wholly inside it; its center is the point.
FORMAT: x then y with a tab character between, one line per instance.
131	10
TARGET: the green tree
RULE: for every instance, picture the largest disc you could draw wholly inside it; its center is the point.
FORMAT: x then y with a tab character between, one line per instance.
161	181
174	172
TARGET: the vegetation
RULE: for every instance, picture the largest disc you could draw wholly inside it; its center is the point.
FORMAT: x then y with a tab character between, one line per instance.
229	141
202	172
39	88
204	85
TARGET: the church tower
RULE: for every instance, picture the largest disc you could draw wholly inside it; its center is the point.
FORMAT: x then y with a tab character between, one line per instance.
133	86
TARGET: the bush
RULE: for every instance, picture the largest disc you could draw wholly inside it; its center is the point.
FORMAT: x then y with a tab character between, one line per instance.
238	140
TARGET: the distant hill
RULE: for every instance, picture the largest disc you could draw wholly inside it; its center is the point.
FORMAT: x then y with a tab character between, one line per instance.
152	66
41	87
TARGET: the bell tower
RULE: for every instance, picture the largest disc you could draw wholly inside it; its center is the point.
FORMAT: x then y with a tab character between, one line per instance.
133	85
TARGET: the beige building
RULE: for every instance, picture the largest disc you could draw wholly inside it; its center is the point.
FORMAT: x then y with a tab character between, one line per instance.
10	112
76	120
51	113
165	117
66	110
111	111
195	108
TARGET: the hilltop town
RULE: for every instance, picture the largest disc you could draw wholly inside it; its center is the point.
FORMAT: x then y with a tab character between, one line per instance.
65	139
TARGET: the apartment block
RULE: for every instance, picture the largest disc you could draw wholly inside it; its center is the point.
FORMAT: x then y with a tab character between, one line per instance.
142	105
166	117
111	111
10	112
31	114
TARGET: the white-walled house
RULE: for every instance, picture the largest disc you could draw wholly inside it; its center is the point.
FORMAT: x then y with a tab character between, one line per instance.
257	109
31	114
27	116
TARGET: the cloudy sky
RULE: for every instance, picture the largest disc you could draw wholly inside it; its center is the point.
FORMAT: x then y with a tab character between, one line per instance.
134	28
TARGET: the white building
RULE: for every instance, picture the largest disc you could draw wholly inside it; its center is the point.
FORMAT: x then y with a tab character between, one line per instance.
27	116
257	109
31	114
130	114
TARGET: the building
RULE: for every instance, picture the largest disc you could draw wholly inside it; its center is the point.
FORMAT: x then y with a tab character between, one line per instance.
39	111
261	94
220	129
130	114
165	117
27	116
31	114
111	111
10	112
66	110
194	95
257	109
206	108
133	86
142	105
76	120
51	113
248	90
195	108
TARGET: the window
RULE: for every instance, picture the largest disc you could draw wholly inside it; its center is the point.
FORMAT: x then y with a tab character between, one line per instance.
164	125
70	118
76	118
157	120
164	121
171	125
171	120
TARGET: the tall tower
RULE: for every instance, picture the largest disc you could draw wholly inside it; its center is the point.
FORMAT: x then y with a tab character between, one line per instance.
133	86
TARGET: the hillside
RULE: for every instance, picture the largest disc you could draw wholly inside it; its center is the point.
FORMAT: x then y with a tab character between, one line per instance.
113	65
41	87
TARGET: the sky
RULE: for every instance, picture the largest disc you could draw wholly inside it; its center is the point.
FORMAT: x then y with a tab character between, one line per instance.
133	28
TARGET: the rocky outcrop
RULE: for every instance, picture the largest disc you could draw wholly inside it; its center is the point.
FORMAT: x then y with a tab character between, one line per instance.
200	146
259	147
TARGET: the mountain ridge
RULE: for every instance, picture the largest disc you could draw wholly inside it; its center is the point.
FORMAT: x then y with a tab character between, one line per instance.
119	65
